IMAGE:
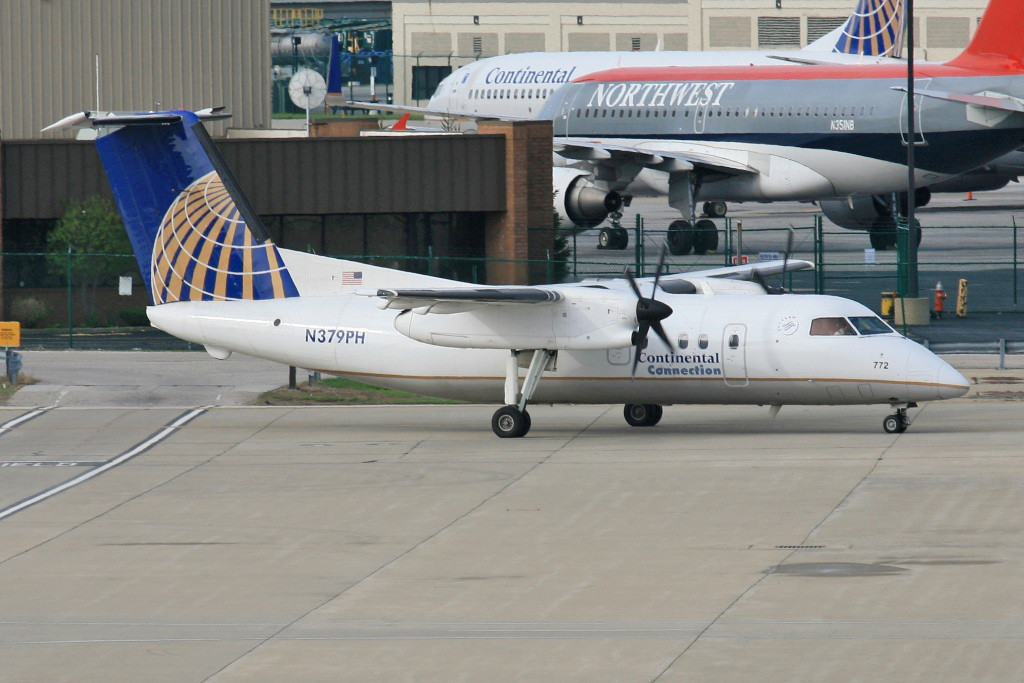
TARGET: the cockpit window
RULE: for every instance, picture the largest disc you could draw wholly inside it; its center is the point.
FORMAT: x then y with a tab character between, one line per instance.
828	327
870	324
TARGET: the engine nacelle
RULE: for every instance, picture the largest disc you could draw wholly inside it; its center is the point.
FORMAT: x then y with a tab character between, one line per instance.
579	202
854	213
862	211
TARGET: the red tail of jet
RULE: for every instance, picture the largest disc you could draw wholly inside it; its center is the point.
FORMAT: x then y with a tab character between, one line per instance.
999	40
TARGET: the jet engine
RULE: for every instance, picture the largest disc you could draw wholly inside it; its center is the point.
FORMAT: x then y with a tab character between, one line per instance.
862	212
580	203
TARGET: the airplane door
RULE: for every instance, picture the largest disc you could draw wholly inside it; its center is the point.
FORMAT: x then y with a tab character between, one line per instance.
734	355
919	83
565	109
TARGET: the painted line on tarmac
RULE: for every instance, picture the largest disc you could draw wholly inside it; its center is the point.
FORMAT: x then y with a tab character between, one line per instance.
138	449
22	419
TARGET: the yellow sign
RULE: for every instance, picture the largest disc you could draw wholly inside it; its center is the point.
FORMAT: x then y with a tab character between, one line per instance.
10	334
961	299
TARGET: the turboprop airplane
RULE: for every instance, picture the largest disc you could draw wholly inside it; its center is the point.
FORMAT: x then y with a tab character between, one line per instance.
518	85
216	279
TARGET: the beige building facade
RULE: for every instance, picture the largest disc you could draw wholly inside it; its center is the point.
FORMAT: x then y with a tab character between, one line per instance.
442	33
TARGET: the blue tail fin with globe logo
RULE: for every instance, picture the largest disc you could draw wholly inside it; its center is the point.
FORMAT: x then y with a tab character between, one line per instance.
195	235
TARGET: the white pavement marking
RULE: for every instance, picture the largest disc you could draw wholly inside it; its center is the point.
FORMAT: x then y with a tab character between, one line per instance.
110	464
8	426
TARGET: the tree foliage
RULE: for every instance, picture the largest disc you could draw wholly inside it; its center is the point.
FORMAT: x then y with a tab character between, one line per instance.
99	245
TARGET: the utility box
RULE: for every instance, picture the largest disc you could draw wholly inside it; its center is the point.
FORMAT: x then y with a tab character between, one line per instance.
911	311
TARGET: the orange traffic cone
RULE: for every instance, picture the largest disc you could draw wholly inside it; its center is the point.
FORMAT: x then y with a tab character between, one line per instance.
970	197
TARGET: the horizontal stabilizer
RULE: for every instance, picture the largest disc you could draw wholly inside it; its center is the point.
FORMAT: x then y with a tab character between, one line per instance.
97	119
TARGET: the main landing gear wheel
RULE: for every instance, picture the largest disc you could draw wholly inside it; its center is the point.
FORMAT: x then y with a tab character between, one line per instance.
613	238
715	209
510	423
705	237
896	423
680	238
642	414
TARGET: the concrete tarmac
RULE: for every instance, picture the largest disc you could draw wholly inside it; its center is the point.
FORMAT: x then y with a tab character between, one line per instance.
408	543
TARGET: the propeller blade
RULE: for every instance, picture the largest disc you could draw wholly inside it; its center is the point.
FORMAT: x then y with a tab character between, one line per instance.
633	285
641	337
660	331
756	276
661	267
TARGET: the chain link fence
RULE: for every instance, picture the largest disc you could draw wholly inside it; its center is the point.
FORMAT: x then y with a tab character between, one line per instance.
68	300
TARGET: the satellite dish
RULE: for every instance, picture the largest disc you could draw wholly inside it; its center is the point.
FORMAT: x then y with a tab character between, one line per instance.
307	89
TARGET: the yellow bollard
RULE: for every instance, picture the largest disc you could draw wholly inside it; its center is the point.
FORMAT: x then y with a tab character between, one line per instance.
961	299
887	305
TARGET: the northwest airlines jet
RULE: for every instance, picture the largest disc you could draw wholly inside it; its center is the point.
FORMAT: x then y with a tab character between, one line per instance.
783	133
518	86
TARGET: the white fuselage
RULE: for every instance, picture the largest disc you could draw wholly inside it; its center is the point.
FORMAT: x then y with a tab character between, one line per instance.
738	349
518	85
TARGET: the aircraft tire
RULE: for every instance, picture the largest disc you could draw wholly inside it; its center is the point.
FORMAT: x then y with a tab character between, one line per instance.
508	422
642	414
883	233
716	209
621	238
680	238
606	239
705	237
894	424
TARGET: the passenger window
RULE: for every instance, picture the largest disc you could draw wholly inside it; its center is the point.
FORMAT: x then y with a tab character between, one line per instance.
702	341
831	327
684	341
734	341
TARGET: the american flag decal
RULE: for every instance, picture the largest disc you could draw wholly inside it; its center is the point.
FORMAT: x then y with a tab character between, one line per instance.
352	277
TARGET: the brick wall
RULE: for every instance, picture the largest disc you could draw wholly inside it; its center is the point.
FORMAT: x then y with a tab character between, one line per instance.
528	150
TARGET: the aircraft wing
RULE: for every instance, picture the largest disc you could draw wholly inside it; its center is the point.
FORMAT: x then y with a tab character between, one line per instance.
431	111
613	153
461	299
563	317
989	100
746	271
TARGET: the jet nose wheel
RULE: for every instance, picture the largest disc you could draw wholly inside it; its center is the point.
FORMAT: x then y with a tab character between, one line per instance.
510	423
642	414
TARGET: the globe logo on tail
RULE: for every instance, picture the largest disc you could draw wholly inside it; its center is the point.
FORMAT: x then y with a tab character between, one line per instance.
204	251
876	28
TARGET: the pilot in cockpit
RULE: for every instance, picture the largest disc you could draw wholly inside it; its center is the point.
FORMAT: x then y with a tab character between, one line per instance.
831	327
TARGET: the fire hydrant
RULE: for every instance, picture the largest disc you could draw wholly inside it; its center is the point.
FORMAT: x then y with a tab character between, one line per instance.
940	298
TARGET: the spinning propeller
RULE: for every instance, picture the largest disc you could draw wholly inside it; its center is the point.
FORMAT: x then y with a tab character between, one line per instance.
755	274
649	312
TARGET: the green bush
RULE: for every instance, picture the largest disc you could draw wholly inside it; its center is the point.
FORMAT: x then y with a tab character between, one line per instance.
135	317
29	311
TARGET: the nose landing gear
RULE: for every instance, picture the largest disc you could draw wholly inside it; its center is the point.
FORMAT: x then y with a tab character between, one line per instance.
898	422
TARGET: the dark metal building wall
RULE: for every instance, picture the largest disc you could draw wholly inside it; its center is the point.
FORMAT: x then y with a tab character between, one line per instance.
371	175
307	176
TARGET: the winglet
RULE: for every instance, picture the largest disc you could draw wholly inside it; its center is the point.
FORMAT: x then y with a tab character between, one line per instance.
402	123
